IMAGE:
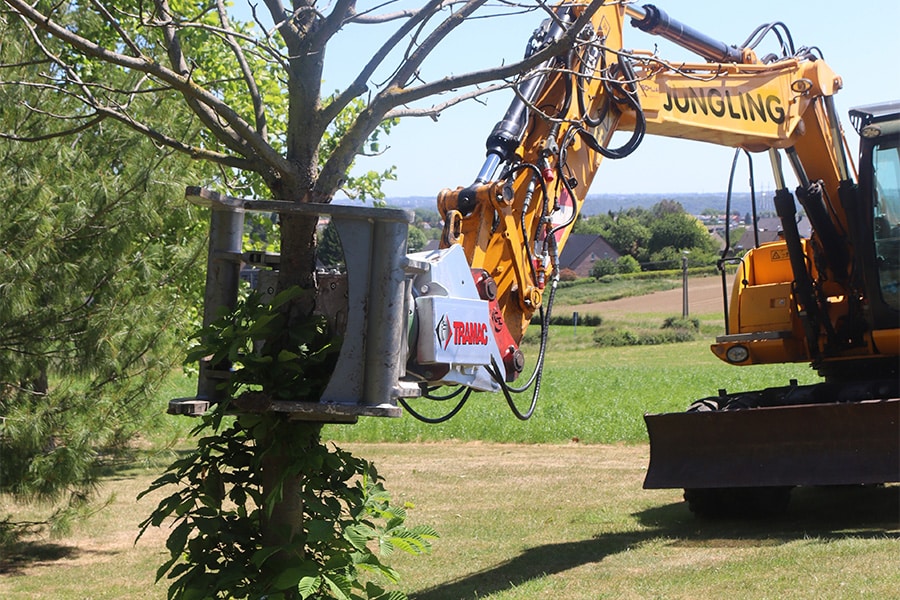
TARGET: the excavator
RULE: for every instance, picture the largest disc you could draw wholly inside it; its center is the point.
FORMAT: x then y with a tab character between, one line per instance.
830	300
415	323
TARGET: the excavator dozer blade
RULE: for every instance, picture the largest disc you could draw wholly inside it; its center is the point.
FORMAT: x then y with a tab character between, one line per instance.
812	444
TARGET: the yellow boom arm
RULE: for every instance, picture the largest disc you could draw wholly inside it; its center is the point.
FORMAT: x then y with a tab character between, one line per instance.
514	220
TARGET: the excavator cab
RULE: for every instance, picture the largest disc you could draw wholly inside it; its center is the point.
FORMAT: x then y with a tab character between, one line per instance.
879	129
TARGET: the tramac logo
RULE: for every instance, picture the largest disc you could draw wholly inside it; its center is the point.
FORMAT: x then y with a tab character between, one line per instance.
461	333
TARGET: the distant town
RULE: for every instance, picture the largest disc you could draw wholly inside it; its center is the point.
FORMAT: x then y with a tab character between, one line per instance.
693	203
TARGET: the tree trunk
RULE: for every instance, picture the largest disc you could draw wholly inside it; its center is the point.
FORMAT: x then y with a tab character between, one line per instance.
288	439
298	262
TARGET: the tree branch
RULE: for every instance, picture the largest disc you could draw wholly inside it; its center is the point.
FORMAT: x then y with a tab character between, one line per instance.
285	25
359	85
332	23
367	18
252	88
395	95
194	152
207	115
123	35
398	95
213	109
435	110
53	135
412	63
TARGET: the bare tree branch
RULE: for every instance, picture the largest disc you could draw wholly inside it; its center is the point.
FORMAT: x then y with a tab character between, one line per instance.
55	134
367	18
412	63
359	85
284	24
195	152
332	23
258	107
266	51
123	35
435	110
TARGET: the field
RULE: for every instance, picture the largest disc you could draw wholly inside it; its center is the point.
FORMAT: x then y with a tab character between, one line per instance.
549	508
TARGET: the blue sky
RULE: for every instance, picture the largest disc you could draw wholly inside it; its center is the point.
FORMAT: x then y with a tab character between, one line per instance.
860	41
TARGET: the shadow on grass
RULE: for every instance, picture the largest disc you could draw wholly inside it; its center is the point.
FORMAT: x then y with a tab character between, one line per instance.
16	556
833	513
133	461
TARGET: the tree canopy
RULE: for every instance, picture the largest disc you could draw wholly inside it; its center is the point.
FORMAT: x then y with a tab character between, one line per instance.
655	237
234	76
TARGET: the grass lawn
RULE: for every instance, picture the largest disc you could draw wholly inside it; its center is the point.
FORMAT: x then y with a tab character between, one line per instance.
525	521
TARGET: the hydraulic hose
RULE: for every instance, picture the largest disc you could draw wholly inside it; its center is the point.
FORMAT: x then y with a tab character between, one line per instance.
441	419
507	133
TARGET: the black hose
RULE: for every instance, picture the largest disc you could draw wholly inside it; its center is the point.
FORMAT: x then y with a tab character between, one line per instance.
495	373
780	30
428	395
436	420
622	92
537	373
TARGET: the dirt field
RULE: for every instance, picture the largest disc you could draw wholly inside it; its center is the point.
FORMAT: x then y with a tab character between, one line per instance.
704	296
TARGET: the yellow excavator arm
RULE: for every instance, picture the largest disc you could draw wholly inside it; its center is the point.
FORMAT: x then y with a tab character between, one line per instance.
542	157
456	316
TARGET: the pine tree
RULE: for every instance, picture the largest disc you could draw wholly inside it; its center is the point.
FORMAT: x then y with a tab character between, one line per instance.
100	272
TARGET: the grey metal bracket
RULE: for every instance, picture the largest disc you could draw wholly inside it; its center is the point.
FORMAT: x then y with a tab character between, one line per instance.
367	377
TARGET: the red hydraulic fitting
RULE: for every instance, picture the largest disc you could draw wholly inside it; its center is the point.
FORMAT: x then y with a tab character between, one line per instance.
548	174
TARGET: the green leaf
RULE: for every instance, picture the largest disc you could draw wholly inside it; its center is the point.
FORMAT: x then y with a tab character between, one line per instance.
339	585
263	554
184	507
308	586
425	532
287	355
164	568
359	535
319	531
291	577
287	295
178	538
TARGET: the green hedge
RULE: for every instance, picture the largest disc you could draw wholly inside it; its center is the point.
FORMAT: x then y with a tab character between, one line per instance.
586	320
673	330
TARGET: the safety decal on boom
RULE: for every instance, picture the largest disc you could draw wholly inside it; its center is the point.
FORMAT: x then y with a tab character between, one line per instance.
563	215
